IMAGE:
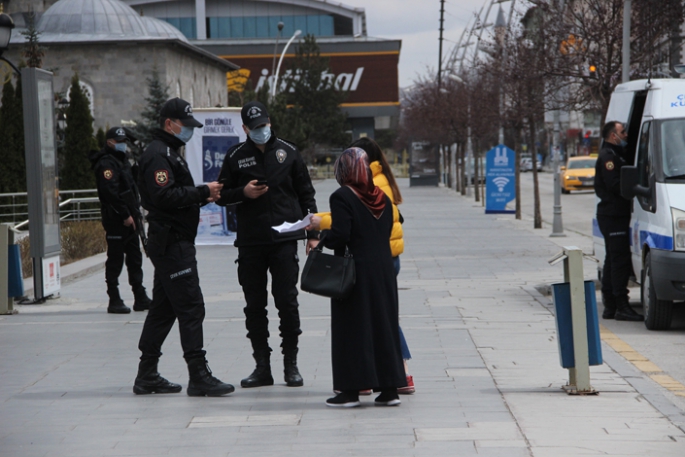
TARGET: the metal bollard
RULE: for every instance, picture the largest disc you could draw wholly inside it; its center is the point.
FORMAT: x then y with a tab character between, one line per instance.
6	239
579	374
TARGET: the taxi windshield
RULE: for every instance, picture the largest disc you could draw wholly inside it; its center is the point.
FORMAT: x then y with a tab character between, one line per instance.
577	164
673	147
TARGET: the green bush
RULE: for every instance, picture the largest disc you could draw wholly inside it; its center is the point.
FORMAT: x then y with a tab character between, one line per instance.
79	240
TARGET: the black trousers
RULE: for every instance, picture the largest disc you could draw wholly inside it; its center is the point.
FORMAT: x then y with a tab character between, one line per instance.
123	244
176	295
281	261
617	263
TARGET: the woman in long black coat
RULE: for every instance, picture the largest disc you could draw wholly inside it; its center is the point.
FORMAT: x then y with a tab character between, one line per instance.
364	327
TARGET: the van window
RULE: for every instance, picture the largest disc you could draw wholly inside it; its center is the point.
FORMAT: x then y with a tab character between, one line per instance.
644	162
673	147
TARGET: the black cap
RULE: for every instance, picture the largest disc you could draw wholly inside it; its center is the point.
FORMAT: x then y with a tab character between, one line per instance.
177	108
254	114
116	133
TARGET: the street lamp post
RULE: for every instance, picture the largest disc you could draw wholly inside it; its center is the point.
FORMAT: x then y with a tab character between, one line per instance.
278	35
280	61
557	225
6	26
469	144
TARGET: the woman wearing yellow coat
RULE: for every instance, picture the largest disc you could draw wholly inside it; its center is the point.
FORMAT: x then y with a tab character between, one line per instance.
383	178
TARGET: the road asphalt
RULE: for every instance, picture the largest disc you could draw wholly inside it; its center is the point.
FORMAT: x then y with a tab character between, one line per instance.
485	363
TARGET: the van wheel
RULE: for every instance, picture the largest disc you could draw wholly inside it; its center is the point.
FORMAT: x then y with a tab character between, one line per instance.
658	313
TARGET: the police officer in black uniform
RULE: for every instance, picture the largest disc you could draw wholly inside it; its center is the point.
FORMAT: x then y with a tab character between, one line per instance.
613	217
173	201
115	179
268	178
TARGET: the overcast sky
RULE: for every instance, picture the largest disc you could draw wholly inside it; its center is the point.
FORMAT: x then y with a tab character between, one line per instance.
416	23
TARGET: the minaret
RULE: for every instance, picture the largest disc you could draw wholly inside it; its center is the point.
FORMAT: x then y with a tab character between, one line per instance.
500	27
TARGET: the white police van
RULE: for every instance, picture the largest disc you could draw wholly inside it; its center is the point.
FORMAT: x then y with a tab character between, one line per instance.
654	115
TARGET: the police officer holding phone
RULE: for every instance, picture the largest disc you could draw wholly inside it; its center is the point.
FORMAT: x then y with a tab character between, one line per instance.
269	179
173	201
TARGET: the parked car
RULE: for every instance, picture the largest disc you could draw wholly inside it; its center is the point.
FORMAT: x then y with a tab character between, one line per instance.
578	174
526	164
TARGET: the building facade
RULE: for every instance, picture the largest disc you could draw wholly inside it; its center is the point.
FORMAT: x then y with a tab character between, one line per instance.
247	33
114	50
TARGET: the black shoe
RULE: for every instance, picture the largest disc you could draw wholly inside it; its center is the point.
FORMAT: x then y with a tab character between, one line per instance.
291	373
149	381
117	306
142	301
202	383
626	313
388	398
261	376
609	306
609	313
345	399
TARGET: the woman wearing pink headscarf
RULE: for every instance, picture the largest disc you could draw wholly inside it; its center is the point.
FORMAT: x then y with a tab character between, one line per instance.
364	327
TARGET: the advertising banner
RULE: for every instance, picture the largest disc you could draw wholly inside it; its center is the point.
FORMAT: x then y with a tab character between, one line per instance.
205	154
500	179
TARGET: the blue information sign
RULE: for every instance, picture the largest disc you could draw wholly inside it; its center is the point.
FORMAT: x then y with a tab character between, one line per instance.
500	177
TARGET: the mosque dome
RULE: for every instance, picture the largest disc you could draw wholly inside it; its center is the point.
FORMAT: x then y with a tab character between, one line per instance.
77	20
162	29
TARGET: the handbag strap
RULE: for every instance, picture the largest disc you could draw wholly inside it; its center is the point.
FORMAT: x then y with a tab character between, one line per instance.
319	247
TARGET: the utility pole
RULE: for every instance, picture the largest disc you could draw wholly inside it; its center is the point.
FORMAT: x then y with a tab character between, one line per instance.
557	225
442	28
625	69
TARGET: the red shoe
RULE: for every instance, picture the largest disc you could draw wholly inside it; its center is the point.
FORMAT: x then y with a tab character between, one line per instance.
410	389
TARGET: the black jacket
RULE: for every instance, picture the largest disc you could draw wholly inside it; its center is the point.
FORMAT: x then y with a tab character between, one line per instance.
289	198
114	177
167	188
608	181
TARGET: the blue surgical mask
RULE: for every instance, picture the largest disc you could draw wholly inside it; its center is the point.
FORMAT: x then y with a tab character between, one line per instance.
623	143
186	133
121	147
261	135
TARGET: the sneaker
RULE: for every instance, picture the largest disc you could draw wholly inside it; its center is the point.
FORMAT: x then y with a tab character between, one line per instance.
409	389
344	400
387	399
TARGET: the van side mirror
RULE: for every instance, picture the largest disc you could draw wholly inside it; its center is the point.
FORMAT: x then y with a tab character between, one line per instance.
630	178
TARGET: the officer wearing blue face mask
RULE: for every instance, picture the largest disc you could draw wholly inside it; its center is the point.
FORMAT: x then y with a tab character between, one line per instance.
269	179
173	202
114	178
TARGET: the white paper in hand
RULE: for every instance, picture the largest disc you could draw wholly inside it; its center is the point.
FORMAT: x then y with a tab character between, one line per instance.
293	226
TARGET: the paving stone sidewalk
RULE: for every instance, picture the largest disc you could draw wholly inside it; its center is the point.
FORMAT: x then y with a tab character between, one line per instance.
485	364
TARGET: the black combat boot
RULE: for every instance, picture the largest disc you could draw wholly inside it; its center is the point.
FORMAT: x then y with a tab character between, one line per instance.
141	300
149	380
202	383
261	376
624	312
116	304
292	374
609	306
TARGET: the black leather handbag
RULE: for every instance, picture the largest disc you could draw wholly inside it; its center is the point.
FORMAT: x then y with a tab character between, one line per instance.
328	275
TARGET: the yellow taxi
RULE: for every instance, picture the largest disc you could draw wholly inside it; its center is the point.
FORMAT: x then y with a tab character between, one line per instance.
578	174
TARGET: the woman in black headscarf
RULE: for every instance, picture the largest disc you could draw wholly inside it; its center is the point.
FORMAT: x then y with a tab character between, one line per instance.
364	327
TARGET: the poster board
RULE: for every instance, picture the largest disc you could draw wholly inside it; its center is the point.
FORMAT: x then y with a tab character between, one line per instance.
500	180
205	153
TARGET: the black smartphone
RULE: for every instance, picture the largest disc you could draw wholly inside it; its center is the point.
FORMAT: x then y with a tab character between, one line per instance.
261	182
